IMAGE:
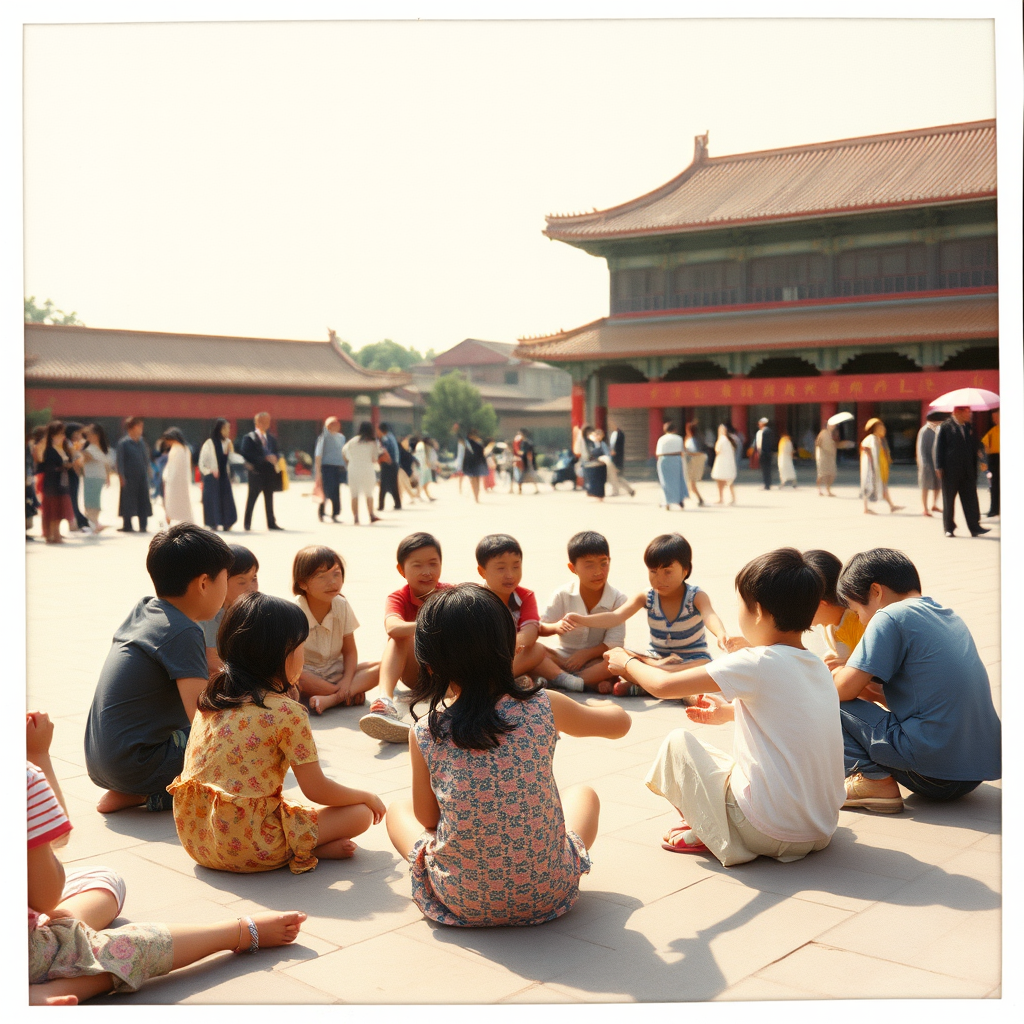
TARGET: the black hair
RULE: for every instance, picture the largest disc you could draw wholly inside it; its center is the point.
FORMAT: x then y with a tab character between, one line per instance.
218	426
885	566
255	638
666	549
495	544
71	427
829	566
366	431
174	434
311	560
414	542
132	421
786	586
53	428
101	436
385	427
182	552
587	542
244	560
480	665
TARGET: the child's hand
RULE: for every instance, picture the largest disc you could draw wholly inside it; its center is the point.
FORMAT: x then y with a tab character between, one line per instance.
616	659
38	734
576	661
833	661
733	643
376	805
562	626
710	709
571	620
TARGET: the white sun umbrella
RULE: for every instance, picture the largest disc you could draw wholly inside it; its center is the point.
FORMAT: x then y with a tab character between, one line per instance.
840	417
978	399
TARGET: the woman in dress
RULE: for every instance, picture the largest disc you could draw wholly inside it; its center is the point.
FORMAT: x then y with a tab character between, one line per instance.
360	454
874	466
55	467
177	476
218	498
723	472
787	471
927	478
426	471
595	472
825	449
669	452
474	463
694	460
97	465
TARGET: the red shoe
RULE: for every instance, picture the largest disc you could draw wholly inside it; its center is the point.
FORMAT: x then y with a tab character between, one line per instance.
674	841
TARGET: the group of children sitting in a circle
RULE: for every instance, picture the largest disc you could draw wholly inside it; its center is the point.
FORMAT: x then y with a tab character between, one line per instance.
902	697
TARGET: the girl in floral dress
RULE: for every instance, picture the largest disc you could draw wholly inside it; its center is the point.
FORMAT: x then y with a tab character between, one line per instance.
228	807
489	839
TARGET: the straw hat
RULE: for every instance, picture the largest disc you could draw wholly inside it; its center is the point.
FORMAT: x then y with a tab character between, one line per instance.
871	424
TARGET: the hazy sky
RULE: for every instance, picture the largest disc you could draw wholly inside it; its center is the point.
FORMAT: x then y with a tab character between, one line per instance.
391	179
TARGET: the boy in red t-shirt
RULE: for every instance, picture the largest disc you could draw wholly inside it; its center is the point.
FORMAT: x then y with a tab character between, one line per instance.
419	562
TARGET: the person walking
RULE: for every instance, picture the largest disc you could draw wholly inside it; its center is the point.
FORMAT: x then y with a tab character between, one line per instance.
259	449
956	464
177	476
787	471
97	465
766	442
991	443
423	453
723	472
874	466
474	463
825	455
595	471
218	499
927	478
669	453
695	459
388	468
329	466
132	457
360	454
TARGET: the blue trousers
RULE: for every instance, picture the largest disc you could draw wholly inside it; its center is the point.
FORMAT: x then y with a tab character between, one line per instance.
868	750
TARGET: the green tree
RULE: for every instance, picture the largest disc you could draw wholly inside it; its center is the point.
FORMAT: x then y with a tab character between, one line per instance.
48	314
453	399
387	355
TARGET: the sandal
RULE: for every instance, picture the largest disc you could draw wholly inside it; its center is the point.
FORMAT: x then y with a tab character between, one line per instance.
678	846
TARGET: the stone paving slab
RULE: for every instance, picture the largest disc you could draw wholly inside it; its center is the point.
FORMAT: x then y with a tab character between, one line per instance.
909	902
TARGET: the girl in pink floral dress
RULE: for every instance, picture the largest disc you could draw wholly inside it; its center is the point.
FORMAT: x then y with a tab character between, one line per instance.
499	846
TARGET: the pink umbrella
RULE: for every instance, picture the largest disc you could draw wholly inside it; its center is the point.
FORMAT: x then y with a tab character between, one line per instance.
978	399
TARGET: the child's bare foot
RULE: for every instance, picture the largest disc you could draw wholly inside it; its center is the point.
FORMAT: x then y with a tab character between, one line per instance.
336	849
275	929
112	801
604	686
354	701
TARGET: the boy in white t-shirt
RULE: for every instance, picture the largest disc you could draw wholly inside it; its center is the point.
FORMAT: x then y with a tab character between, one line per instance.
779	793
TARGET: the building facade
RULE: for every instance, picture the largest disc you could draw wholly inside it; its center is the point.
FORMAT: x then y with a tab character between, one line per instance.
859	274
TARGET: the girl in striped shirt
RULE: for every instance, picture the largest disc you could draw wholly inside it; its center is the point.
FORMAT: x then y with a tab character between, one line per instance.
677	612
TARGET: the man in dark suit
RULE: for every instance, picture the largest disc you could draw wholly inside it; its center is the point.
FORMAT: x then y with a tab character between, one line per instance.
259	449
389	469
766	442
617	443
956	464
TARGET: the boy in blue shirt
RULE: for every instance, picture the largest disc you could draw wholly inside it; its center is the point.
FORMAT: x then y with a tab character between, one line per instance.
915	699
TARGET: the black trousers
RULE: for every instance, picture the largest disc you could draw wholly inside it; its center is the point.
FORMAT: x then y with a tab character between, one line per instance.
264	483
388	485
767	458
331	479
966	486
993	494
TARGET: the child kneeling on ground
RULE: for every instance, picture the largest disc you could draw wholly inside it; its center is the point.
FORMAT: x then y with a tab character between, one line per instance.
499	847
779	793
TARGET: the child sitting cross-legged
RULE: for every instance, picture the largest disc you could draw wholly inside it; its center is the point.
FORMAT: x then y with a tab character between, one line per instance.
419	563
228	807
580	651
73	953
333	673
838	624
677	612
242	579
779	793
490	841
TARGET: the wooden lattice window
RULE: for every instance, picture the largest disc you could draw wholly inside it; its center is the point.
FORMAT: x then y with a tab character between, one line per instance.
879	271
968	264
706	284
638	290
787	278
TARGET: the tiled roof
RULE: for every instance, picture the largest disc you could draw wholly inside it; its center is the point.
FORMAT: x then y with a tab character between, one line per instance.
915	168
87	355
474	352
945	318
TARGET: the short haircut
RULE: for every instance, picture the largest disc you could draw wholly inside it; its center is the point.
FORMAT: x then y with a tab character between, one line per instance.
785	585
132	421
385	427
261	416
668	424
311	560
495	544
587	542
885	566
666	549
829	566
244	560
415	542
181	553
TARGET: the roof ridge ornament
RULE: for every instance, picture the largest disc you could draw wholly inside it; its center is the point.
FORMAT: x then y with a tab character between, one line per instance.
700	148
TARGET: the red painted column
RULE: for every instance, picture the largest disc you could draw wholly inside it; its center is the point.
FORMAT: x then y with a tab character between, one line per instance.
738	416
655	418
827	409
781	417
375	415
578	403
601	417
865	410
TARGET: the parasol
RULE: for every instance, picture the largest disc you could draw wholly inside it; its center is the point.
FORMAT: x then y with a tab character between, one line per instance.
840	417
978	399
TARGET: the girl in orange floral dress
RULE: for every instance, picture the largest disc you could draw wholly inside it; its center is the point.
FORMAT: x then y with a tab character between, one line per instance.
228	808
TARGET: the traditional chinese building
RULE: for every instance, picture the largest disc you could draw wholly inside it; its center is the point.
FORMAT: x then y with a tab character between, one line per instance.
189	380
856	275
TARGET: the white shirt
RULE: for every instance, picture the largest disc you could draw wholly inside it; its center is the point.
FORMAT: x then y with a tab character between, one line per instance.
567	599
788	745
324	643
669	444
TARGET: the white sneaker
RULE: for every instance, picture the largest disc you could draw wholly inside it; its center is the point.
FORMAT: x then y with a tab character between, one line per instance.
384	722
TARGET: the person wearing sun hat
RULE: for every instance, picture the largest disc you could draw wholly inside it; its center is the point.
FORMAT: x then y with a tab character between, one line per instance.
874	465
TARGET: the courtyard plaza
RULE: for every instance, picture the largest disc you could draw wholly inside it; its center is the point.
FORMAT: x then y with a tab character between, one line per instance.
897	906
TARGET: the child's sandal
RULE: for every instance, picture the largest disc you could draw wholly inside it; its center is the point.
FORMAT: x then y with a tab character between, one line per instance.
254	936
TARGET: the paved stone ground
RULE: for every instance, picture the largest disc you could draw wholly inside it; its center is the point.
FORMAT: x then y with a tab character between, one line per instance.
903	906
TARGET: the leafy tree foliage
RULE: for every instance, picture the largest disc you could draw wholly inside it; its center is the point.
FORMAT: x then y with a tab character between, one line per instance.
48	314
387	355
454	400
